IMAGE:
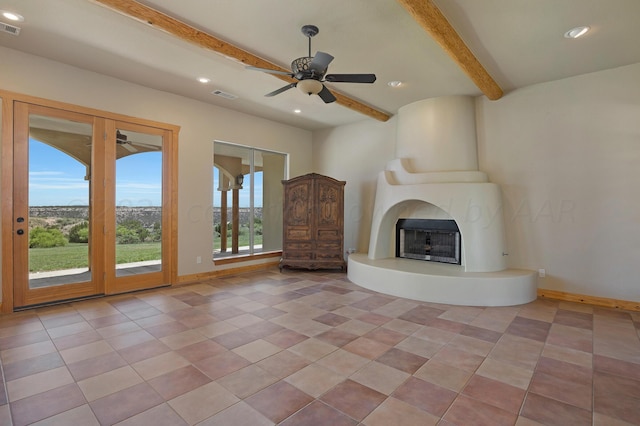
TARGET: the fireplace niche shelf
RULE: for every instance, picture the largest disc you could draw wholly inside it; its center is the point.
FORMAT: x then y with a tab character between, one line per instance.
442	283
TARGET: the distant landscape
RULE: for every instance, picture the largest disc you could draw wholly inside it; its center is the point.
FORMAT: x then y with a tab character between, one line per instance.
147	215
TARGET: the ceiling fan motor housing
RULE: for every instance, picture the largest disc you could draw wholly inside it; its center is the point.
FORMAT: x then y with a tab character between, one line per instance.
300	67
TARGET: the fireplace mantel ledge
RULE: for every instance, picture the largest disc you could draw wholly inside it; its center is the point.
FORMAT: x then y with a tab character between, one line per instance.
398	172
442	283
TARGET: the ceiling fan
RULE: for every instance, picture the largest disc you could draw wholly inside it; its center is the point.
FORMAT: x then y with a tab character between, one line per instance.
133	146
310	71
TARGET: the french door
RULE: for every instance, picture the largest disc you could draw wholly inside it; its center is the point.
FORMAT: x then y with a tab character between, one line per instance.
91	205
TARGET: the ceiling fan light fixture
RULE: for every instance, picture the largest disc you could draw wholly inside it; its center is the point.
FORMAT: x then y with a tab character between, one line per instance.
577	32
310	86
12	16
395	83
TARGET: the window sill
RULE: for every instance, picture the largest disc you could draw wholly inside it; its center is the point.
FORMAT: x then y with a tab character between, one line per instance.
246	257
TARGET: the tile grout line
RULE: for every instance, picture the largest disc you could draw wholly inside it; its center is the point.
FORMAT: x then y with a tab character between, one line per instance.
6	391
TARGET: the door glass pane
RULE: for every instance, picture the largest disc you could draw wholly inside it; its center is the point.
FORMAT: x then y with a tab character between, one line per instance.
138	203
231	199
267	217
59	208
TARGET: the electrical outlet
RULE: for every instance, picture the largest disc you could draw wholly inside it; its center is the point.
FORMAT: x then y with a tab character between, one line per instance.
542	273
198	259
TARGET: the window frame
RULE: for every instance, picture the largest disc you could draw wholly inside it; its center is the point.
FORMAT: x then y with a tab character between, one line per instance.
249	169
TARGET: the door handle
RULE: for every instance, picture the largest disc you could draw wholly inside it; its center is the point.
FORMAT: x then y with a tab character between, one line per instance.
20	231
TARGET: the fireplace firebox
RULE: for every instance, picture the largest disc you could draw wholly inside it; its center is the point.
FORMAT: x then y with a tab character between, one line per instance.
428	239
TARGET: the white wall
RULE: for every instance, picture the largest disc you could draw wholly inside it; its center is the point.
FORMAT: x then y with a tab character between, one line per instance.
200	123
438	134
567	156
356	153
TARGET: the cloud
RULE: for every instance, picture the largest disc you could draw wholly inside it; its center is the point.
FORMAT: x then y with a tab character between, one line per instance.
139	185
45	173
63	186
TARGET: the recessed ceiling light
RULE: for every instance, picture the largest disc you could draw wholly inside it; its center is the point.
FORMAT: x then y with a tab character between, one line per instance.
12	16
395	83
576	32
297	111
204	80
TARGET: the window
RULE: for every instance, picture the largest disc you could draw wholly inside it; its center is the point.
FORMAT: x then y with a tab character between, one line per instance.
247	200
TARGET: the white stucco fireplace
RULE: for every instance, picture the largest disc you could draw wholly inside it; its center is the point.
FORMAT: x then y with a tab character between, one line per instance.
435	176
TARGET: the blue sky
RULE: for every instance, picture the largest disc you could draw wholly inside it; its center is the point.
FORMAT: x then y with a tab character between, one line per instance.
56	179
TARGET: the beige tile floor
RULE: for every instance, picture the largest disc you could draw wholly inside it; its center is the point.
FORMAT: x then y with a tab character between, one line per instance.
310	348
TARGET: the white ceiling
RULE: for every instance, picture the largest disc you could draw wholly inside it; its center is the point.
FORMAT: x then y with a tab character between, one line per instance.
519	42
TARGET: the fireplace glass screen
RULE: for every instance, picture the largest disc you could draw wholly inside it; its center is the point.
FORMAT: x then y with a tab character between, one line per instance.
428	239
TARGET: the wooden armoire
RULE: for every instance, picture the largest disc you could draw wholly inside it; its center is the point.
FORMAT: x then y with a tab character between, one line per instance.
313	223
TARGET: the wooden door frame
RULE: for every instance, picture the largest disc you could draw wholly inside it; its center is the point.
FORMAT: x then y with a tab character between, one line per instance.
34	296
115	284
7	99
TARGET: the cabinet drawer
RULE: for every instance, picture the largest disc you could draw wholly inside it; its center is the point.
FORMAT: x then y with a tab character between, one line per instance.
329	246
297	234
328	255
297	254
295	246
329	234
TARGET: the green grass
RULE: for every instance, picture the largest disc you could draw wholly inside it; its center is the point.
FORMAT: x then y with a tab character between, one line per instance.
77	255
243	240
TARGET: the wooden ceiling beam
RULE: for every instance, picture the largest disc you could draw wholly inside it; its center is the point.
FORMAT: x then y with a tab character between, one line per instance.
427	14
183	31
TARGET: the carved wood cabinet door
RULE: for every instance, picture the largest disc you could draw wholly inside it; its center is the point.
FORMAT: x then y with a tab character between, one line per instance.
297	214
298	202
329	201
313	219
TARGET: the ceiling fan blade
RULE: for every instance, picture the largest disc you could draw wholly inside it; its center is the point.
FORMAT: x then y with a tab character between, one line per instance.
146	145
326	95
267	70
350	78
320	62
129	147
282	89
